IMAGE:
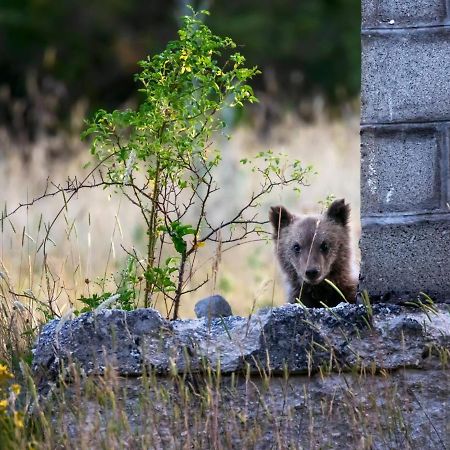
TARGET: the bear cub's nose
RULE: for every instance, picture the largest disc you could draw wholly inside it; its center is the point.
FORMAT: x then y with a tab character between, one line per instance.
312	274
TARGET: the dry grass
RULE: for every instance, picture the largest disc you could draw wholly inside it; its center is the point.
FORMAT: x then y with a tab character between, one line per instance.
90	236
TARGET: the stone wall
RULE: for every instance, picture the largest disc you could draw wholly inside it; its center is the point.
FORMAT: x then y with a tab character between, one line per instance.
288	377
405	147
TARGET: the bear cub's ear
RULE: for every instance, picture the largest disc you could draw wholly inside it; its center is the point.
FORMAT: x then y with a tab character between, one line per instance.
279	217
339	212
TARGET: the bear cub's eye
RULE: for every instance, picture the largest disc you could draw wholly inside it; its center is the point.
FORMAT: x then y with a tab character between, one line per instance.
324	247
296	247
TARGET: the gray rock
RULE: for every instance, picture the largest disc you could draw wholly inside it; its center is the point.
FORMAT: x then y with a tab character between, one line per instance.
286	338
213	307
94	340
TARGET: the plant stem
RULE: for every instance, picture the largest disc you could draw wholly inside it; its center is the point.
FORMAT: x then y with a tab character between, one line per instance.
152	236
177	298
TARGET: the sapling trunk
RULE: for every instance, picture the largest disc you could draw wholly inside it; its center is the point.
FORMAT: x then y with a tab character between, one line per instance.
179	290
152	235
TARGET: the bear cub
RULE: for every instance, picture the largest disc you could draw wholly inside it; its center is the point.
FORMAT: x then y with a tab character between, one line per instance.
312	248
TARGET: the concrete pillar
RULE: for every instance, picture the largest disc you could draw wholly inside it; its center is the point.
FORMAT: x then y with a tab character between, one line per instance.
405	147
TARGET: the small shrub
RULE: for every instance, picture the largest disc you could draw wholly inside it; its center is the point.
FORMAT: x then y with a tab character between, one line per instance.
162	157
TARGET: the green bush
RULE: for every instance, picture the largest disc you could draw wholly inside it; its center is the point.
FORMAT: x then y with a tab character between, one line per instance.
162	156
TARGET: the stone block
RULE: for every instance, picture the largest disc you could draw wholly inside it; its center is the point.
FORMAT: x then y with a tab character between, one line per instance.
290	337
406	255
400	169
405	76
394	13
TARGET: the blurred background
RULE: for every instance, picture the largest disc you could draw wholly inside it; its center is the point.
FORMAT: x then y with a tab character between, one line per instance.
60	61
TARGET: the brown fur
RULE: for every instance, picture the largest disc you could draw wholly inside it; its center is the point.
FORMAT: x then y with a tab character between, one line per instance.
312	248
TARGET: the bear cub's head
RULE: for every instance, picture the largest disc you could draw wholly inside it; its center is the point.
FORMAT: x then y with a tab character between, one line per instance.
312	246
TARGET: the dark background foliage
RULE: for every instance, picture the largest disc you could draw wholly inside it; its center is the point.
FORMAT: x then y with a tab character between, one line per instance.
88	49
